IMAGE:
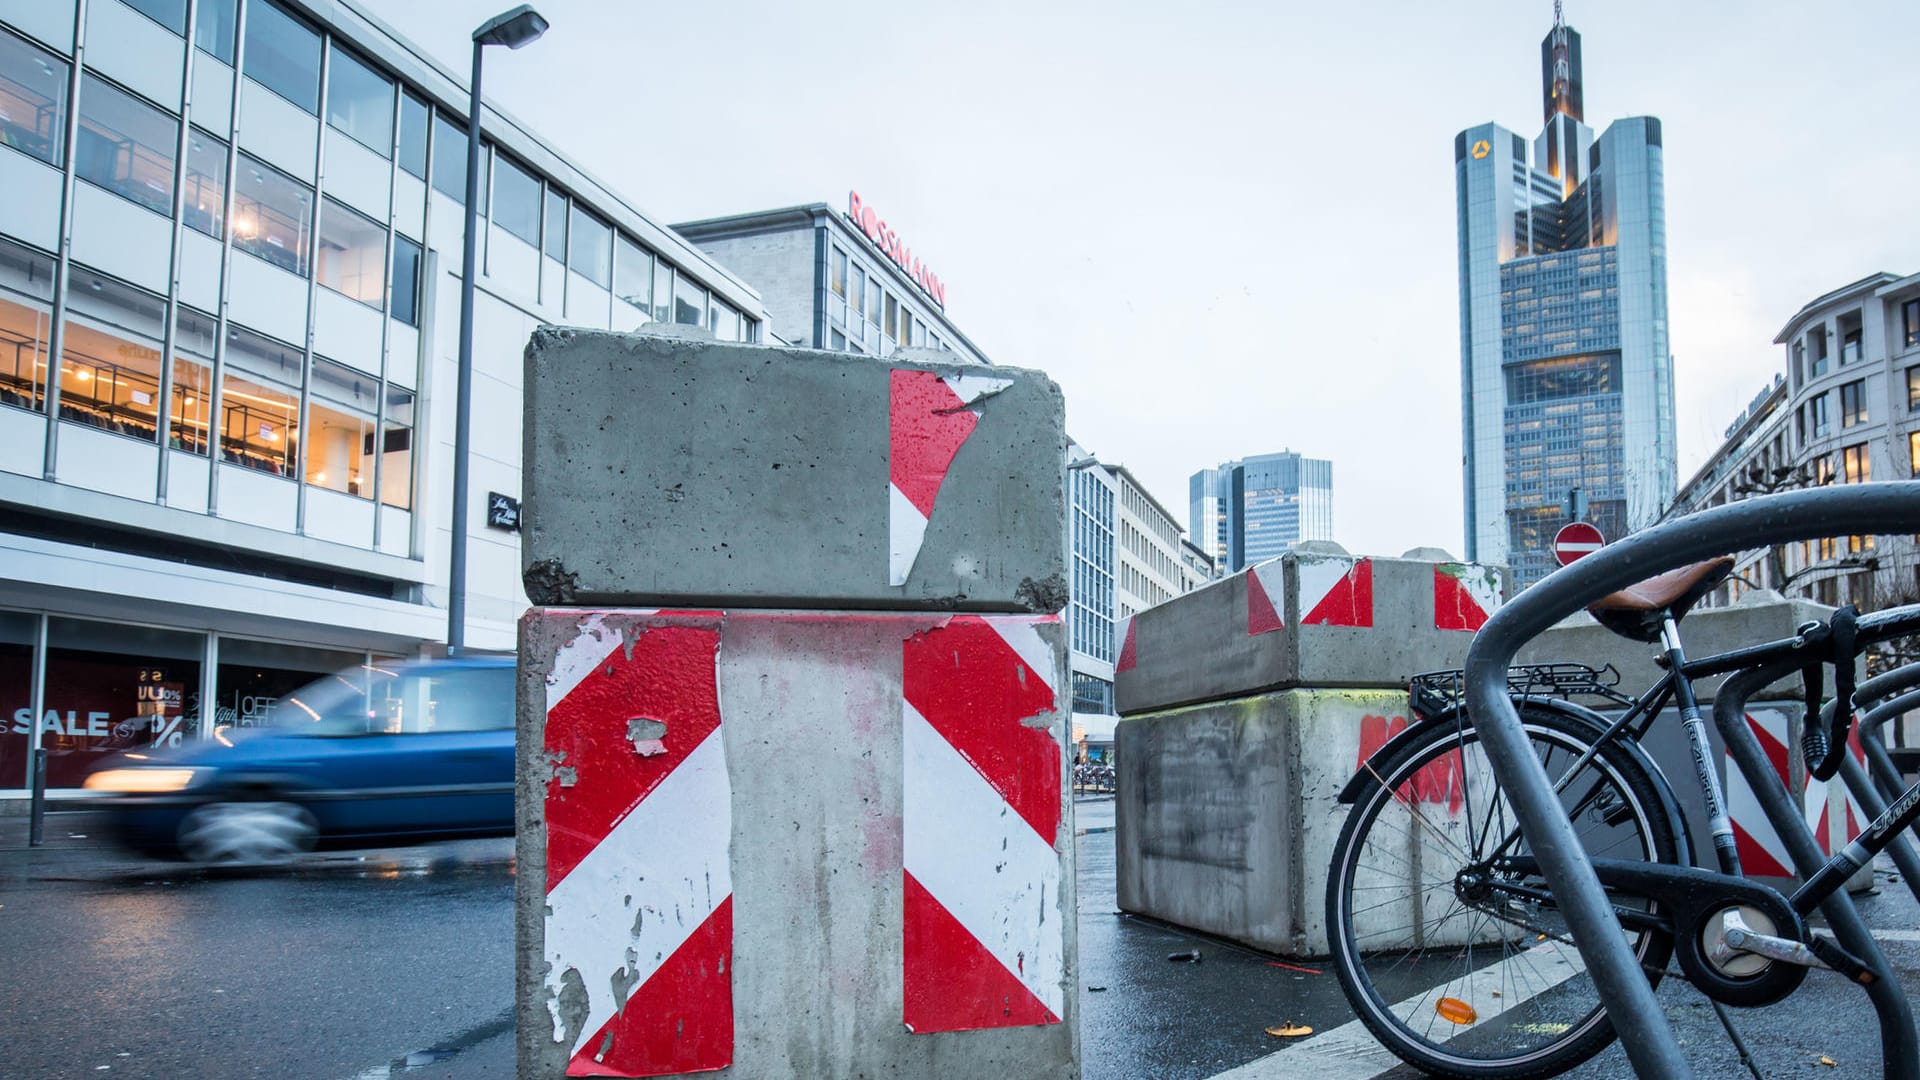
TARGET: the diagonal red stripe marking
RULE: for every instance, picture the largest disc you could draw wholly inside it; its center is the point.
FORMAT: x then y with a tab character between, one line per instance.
1755	859
1263	616
951	982
1349	602
667	675
927	424
975	691
678	1021
1776	750
1454	607
1127	657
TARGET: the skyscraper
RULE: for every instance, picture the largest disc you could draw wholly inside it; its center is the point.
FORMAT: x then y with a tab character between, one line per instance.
1565	376
1258	507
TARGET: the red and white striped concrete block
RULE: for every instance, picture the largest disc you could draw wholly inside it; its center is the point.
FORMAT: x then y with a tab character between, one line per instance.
981	808
1831	811
639	922
1465	595
928	420
1332	591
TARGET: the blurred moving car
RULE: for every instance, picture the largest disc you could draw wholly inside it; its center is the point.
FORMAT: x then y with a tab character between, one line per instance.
381	752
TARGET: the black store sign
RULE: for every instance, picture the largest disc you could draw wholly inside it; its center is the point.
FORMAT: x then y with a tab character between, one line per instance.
503	511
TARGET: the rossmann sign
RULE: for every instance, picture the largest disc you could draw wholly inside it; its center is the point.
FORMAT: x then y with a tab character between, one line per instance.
863	217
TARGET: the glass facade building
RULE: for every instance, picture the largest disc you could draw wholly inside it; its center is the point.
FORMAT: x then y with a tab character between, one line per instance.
1566	377
229	297
1257	508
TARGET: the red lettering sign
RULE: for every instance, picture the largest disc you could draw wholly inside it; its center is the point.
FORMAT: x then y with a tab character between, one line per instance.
867	221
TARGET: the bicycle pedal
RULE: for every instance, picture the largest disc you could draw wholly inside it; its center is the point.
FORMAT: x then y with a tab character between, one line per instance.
1842	961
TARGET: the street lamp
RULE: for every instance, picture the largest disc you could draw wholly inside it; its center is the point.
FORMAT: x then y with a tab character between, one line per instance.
515	28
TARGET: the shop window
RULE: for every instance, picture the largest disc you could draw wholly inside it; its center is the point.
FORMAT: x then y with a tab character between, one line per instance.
360	102
272	215
110	363
113	687
340	429
590	247
33	99
449	158
214	24
18	632
353	254
254	679
516	200
413	135
260	403
632	281
1853	403
689	302
189	428
396	449
171	14
662	291
126	145
283	55
206	180
1858	468
26	321
406	280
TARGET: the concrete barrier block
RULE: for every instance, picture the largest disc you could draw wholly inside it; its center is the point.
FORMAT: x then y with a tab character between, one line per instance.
1308	619
661	470
1227	812
794	845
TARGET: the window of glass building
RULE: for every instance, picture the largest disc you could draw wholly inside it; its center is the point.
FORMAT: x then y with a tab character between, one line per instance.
33	100
126	145
1913	389
516	200
662	291
689	302
1855	464
283	55
554	230
414	122
633	278
919	333
723	320
1817	410
590	247
1853	403
406	280
214	24
26	321
892	325
396	448
856	298
206	180
18	632
874	293
360	102
114	687
260	403
449	158
1910	323
352	254
272	215
171	14
193	336
110	361
837	273
340	429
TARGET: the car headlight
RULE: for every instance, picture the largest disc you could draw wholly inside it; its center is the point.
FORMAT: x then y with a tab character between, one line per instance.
145	781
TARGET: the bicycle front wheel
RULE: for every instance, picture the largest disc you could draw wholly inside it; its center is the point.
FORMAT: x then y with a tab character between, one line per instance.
1458	963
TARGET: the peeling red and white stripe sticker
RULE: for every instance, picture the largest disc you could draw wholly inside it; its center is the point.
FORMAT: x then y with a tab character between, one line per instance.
1465	595
1333	592
928	420
985	939
639	925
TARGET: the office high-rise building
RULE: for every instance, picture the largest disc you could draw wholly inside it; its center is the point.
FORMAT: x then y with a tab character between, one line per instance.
1566	378
1256	508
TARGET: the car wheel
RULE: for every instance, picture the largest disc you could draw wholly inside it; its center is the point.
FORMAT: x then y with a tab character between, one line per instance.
247	833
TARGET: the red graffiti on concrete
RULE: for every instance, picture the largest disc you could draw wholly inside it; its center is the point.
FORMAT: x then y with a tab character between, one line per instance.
1443	781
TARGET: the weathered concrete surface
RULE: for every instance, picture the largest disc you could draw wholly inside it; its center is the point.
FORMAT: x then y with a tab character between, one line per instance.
1304	620
1226	815
812	723
665	471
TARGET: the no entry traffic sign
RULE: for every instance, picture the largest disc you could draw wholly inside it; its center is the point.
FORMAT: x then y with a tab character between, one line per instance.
1575	540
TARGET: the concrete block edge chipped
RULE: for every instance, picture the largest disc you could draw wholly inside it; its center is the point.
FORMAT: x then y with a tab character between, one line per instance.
794	844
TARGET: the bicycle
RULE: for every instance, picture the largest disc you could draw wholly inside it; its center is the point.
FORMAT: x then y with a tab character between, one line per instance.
1442	934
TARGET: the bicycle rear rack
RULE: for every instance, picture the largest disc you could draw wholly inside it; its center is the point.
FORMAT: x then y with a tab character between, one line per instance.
1649	1041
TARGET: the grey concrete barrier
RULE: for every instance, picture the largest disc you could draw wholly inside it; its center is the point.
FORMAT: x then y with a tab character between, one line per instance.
1317	618
667	470
794	844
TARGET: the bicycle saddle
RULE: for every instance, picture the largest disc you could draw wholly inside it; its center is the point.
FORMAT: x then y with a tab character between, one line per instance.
1637	611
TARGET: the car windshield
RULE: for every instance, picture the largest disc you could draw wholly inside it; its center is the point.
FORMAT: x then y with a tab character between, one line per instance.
378	699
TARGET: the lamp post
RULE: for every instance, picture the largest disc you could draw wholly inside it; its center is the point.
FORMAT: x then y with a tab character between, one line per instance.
515	28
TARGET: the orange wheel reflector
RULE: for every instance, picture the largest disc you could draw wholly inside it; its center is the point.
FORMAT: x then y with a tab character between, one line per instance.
1455	1011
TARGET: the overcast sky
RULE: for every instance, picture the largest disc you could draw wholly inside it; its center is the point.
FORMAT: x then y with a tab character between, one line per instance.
1228	228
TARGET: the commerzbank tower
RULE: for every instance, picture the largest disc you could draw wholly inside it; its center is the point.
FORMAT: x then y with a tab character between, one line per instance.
1566	380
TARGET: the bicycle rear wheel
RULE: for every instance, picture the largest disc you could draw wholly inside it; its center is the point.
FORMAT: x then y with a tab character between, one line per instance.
1459	966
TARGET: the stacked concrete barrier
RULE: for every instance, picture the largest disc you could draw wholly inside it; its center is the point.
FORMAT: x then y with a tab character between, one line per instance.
1246	705
792	795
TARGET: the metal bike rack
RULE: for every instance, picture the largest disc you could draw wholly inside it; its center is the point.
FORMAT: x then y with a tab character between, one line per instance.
1894	695
1899	1051
1872	792
1884	508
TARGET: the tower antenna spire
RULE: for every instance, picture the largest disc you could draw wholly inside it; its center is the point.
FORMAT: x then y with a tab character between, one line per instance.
1559	19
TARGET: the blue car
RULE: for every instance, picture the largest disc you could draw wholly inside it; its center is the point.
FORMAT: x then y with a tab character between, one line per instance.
377	753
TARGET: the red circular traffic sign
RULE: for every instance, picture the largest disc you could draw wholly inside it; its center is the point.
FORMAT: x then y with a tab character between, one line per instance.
1575	540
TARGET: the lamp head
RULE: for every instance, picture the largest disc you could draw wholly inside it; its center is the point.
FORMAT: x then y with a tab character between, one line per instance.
513	29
